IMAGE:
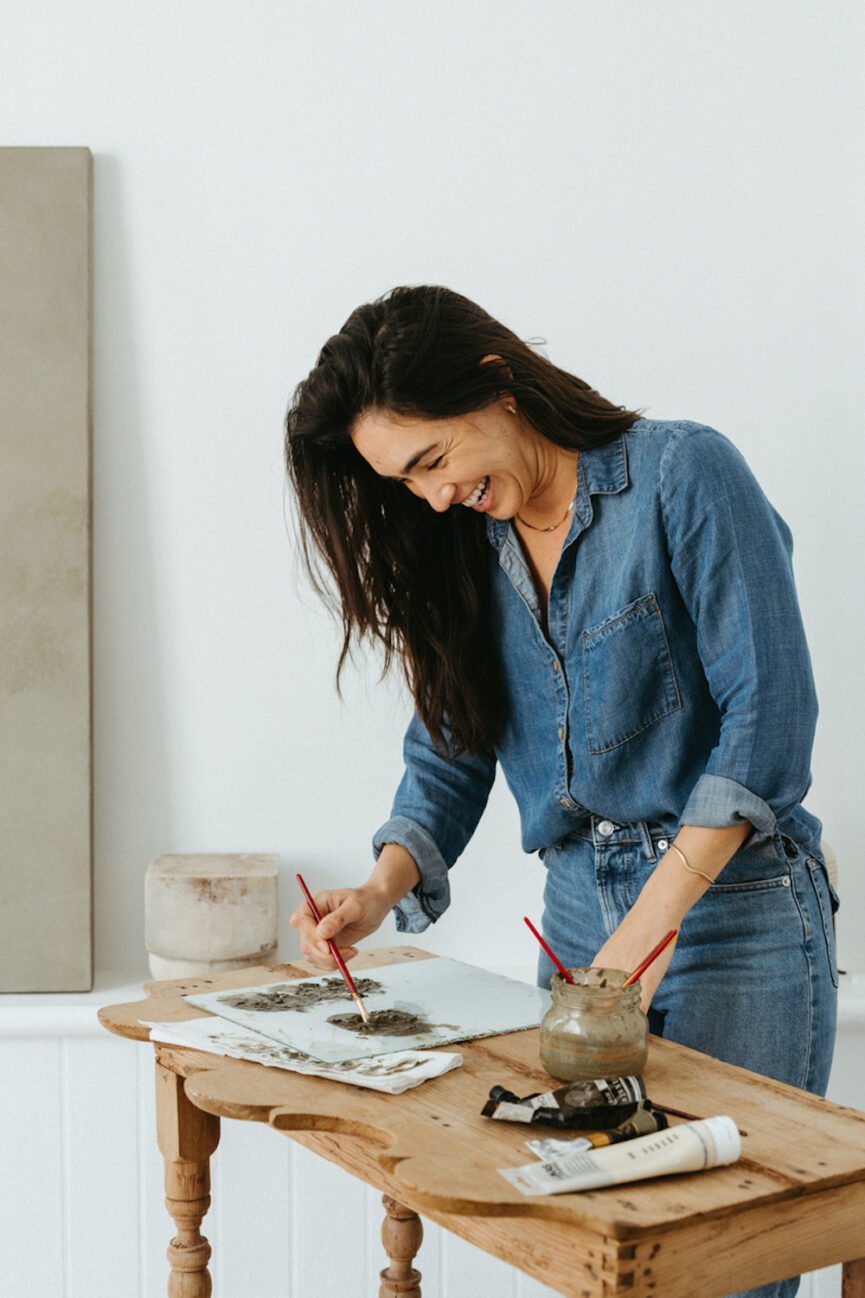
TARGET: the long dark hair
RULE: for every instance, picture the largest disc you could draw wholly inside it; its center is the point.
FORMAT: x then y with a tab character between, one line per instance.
414	579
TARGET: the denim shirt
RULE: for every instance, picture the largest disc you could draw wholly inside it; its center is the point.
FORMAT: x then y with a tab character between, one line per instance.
673	684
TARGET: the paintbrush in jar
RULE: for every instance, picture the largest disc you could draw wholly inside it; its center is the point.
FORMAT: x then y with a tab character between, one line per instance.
555	959
355	994
653	955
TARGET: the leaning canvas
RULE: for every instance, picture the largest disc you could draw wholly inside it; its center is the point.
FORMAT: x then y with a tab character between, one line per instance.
45	749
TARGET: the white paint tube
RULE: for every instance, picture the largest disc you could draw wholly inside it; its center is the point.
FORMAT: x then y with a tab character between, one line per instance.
689	1147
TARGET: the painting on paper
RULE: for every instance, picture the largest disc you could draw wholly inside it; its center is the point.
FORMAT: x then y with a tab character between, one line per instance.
411	1007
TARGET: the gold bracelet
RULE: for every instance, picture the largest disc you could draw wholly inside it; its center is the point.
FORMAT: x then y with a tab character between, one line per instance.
692	869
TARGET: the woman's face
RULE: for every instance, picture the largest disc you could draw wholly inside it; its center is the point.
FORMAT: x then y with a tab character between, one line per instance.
488	461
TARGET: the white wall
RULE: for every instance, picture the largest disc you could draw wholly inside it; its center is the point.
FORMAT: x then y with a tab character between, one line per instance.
666	192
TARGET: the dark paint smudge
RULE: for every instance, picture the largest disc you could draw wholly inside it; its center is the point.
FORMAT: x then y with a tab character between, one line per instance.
387	1023
299	997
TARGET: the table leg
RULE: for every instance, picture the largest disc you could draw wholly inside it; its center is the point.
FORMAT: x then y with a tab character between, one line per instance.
853	1279
401	1234
187	1136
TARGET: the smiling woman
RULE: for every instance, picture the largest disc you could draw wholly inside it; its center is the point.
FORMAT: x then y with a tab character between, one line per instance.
579	595
423	389
492	461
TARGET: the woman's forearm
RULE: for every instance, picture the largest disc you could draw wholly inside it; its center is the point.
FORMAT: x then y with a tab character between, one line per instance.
395	873
672	888
665	899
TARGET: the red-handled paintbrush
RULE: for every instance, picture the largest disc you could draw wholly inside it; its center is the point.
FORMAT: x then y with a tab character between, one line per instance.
555	959
337	957
653	955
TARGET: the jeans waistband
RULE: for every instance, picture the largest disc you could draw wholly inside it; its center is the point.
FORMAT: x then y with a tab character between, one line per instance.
602	832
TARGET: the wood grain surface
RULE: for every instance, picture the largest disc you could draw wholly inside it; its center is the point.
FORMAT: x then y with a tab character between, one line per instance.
441	1154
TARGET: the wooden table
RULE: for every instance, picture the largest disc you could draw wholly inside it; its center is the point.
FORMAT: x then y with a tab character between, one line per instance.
795	1200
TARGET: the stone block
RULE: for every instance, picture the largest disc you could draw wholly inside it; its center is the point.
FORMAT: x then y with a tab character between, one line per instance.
209	913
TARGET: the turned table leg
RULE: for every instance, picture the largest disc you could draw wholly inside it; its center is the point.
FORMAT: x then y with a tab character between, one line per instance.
401	1234
187	1136
853	1279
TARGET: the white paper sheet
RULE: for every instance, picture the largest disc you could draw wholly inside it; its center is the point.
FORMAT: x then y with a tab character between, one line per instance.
391	1073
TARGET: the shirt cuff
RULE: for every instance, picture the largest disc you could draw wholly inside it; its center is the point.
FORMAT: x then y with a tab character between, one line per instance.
430	898
718	803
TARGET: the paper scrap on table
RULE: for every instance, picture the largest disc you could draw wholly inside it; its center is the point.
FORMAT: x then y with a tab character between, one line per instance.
391	1073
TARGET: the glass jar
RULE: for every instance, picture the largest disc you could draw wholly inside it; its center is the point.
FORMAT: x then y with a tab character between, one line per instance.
595	1027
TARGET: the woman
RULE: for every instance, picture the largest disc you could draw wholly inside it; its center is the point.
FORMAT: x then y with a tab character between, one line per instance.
605	605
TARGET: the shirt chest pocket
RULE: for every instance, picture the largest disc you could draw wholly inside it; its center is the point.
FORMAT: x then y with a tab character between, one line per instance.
629	678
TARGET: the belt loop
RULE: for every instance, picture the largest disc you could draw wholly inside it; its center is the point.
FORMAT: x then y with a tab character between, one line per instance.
646	839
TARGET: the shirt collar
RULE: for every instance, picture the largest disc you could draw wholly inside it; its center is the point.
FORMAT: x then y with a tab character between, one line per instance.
602	470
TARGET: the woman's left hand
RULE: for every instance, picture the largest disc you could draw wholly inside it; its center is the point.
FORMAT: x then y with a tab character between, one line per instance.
628	948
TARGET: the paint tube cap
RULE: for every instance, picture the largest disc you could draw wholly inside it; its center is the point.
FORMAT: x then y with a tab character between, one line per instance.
725	1134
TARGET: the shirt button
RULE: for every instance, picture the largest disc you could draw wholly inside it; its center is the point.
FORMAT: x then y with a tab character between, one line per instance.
606	827
662	844
555	666
566	802
561	732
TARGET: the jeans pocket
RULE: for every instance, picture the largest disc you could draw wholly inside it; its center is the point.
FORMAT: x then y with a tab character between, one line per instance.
750	870
629	677
752	885
827	903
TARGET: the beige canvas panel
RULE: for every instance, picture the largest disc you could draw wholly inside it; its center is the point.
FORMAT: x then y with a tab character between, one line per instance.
45	691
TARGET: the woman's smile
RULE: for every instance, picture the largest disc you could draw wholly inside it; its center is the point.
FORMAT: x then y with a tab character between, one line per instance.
490	461
479	499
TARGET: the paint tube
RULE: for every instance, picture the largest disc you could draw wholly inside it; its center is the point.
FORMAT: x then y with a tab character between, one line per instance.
583	1106
643	1123
689	1147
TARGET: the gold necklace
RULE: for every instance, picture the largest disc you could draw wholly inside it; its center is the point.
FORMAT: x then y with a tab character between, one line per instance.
534	526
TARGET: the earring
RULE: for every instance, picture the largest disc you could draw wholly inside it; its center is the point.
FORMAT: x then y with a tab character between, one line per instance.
512	410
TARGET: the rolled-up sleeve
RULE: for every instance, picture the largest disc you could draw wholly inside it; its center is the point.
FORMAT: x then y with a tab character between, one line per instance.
435	812
731	556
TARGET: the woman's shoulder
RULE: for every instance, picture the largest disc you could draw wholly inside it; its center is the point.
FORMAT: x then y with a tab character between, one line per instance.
680	444
691	467
664	432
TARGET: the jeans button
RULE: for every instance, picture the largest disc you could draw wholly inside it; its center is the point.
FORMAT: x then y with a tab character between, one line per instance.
662	844
605	827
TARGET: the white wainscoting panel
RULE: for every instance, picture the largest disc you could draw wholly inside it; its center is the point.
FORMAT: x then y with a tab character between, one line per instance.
32	1208
100	1164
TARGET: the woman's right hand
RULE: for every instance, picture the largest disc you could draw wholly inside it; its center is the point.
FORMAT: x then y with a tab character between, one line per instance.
347	915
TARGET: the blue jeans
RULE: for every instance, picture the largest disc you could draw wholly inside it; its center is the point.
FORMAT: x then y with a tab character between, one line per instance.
753	979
